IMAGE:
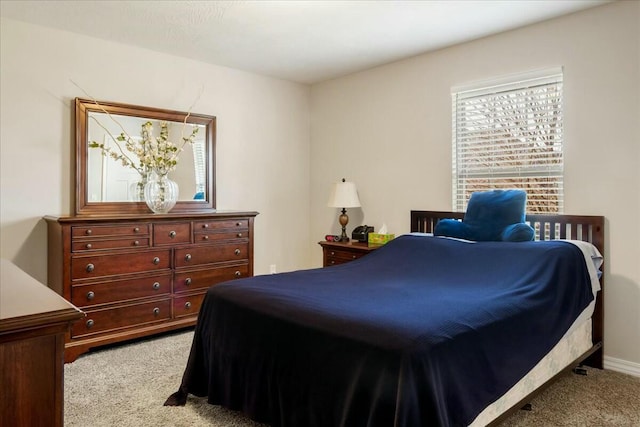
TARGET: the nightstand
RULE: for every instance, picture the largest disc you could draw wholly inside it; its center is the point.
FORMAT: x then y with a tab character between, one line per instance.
334	253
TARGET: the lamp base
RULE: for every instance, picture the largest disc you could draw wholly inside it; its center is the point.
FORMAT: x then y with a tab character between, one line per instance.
344	220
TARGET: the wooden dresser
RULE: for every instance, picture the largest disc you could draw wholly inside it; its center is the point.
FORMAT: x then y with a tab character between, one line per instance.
139	275
33	324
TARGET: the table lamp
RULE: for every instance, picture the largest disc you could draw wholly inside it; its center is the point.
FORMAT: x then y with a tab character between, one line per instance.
344	195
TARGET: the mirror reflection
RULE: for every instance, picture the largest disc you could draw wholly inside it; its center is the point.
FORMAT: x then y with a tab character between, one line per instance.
108	180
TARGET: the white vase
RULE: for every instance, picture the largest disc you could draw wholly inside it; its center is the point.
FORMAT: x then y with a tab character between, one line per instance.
160	193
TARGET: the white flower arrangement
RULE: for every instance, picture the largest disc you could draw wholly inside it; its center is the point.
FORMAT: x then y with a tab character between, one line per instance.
152	153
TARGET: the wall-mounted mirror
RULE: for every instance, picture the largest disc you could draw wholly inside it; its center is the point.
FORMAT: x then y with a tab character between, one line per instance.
105	186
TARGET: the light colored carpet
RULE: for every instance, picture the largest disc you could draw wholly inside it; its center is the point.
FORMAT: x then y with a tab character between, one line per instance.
126	385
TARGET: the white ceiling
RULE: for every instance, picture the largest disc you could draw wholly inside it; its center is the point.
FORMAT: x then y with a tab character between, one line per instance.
303	41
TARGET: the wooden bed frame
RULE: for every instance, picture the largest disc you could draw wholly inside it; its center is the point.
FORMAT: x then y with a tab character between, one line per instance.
547	227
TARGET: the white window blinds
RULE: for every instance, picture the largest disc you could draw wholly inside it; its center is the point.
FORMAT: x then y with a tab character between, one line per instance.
508	134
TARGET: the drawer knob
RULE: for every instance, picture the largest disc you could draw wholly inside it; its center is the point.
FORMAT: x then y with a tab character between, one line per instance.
205	237
136	243
187	305
205	225
332	262
90	268
90	323
333	253
237	252
238	224
239	234
156	286
238	274
90	295
187	281
156	311
156	260
187	257
172	234
88	246
353	257
88	232
136	230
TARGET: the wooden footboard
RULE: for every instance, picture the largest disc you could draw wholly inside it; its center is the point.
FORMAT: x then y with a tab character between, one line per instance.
548	227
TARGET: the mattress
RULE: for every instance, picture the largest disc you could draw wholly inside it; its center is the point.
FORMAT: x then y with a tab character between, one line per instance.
575	343
577	340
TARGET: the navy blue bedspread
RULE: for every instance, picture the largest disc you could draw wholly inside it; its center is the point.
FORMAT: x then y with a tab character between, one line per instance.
421	332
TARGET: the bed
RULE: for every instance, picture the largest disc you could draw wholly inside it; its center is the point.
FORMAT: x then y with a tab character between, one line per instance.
423	331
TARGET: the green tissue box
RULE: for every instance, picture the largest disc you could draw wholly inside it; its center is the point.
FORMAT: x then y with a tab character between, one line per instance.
377	239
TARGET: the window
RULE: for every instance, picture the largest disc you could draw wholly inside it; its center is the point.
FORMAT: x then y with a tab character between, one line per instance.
507	133
200	166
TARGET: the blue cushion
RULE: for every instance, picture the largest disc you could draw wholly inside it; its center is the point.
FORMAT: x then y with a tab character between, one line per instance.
452	228
519	232
496	215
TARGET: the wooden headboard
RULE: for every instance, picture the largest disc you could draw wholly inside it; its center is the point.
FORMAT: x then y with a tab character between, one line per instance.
547	227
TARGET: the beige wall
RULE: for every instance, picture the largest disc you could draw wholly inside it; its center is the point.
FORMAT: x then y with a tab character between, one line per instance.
262	138
389	130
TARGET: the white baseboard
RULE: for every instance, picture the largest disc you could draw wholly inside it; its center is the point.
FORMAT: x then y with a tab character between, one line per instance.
621	365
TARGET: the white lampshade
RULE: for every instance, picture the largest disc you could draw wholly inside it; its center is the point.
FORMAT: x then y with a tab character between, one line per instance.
344	195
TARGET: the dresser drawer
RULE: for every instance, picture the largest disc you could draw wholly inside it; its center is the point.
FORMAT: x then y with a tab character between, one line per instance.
335	261
203	279
86	267
336	254
120	290
172	233
225	235
208	254
335	257
224	224
125	316
135	229
101	244
187	305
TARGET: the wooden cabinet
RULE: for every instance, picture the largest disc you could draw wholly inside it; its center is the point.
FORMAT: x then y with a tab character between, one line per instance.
33	324
334	253
138	275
